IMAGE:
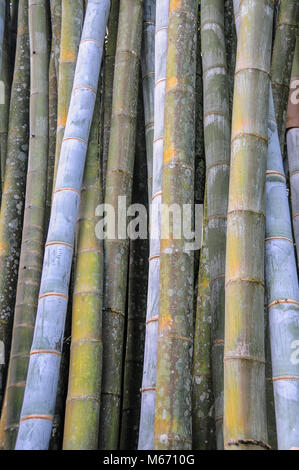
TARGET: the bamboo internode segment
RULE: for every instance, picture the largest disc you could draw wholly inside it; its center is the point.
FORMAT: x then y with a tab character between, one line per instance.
217	151
147	414
119	183
244	380
173	407
41	389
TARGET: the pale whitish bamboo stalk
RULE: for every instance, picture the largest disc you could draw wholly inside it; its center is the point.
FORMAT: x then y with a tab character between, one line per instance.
40	392
147	415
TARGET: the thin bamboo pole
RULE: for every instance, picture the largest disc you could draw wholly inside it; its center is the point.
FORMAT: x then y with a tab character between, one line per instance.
11	216
282	59
71	27
217	151
6	79
40	392
147	414
137	298
33	228
56	7
148	81
245	425
173	407
203	421
109	63
119	184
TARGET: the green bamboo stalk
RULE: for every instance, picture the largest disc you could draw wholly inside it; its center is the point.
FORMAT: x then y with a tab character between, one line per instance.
137	298
33	228
173	407
230	47
217	151
41	388
293	144
13	28
52	134
282	59
203	421
119	183
84	386
71	26
148	81
11	216
245	424
147	414
56	7
109	64
6	79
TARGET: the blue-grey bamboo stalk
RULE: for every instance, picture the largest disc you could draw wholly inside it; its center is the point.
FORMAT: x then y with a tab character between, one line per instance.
282	294
2	25
147	416
41	386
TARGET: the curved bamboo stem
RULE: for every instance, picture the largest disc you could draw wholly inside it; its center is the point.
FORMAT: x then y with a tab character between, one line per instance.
173	415
40	392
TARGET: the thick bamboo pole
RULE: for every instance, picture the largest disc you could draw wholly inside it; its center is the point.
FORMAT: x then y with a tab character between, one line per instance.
217	151
203	421
173	415
71	26
119	184
148	82
245	425
283	294
109	63
33	228
282	58
40	393
293	144
147	414
84	387
137	298
11	216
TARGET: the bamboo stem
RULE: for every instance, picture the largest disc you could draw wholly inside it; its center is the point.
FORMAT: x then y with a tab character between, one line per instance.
11	216
173	407
119	183
40	392
147	413
245	425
